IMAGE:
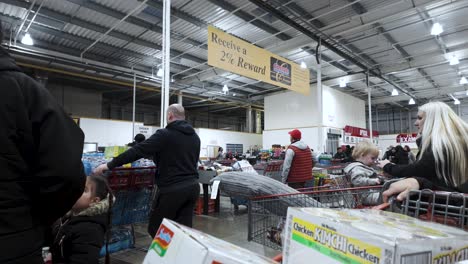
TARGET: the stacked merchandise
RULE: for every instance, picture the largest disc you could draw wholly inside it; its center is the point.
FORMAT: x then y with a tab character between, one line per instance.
121	238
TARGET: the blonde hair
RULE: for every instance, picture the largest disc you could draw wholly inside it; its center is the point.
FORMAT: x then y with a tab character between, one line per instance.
447	135
363	148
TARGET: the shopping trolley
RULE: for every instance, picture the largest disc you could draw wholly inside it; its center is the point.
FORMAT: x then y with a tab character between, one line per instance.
273	170
133	189
448	208
267	214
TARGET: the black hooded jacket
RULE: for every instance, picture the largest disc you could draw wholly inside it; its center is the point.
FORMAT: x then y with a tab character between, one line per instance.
41	174
424	171
175	151
79	239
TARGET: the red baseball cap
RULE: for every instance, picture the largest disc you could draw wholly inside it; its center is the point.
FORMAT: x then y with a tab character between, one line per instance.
296	134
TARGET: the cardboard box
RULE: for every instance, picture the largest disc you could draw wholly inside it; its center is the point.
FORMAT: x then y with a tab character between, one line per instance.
368	236
175	243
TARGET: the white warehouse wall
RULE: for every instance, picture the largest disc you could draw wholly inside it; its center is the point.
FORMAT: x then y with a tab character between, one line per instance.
108	132
340	109
118	133
294	110
289	110
214	137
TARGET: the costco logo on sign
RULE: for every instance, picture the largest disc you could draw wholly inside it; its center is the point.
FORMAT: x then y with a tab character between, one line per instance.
162	240
363	133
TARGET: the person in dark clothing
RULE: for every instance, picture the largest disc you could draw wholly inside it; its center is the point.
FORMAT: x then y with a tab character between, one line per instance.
339	155
137	140
401	156
388	154
441	163
176	150
79	235
349	154
411	156
40	162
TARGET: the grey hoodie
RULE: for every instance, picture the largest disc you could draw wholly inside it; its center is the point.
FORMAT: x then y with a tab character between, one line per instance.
289	158
362	175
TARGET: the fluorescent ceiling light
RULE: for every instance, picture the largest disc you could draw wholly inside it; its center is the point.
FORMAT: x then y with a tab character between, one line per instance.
225	89
303	65
457	102
463	80
233	94
454	60
437	29
342	82
27	40
159	73
172	80
411	102
466	92
394	92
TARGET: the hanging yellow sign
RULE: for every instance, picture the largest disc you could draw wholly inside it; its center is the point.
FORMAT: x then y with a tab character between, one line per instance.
238	56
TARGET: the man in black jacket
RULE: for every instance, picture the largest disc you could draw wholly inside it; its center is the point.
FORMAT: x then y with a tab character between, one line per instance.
175	150
41	174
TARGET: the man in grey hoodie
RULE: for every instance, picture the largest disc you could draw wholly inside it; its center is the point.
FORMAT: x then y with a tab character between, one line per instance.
297	166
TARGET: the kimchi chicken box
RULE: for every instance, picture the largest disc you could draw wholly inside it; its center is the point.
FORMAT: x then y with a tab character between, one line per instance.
175	243
368	236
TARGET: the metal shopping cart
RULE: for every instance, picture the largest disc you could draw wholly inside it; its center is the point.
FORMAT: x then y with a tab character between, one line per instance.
267	214
448	208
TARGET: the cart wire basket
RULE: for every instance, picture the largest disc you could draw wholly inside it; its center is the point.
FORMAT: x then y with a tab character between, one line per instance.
267	214
133	190
448	208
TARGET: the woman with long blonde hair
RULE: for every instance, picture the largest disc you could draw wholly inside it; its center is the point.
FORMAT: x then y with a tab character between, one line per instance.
442	161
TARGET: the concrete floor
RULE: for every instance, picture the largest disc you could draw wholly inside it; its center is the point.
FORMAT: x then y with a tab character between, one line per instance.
228	224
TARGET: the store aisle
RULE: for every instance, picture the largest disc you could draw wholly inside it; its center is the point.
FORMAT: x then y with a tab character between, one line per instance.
228	225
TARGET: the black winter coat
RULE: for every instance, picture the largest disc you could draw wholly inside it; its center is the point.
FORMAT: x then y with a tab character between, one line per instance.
401	157
79	239
41	174
175	151
424	171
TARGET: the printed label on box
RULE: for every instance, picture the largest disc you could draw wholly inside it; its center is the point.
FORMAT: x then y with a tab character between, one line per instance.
162	240
327	241
453	256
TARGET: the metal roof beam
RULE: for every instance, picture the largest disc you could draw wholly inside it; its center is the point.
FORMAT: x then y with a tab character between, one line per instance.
179	14
132	19
88	25
248	17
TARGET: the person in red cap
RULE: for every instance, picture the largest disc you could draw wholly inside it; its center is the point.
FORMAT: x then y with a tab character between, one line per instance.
297	166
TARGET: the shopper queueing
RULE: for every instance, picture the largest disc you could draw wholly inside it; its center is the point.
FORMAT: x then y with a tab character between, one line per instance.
79	235
411	156
401	156
40	162
340	155
175	150
137	140
297	166
442	162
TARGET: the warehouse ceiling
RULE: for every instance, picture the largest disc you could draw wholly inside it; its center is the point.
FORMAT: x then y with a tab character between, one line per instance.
391	40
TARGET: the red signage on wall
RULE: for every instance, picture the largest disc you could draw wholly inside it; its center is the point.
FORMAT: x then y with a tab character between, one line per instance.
359	132
406	138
